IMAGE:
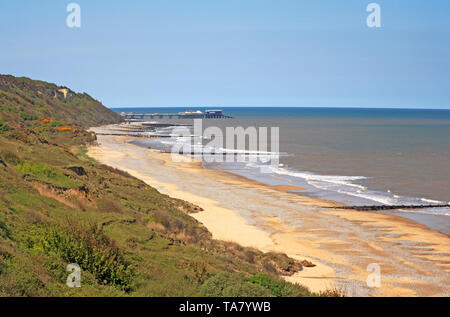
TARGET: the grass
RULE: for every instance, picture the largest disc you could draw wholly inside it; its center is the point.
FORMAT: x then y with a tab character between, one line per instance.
81	153
47	174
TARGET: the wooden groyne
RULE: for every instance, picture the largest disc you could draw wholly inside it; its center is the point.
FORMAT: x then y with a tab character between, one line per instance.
390	207
140	130
149	136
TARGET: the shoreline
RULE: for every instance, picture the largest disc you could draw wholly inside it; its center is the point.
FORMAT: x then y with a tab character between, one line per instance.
340	243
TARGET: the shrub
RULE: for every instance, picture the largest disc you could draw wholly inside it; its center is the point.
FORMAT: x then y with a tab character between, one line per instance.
334	292
4	127
36	169
4	230
54	124
231	285
90	248
278	287
10	158
27	117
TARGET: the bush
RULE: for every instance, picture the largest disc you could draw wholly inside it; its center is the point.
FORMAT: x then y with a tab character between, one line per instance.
10	158
36	169
54	124
4	230
90	248
4	127
27	117
231	285
278	287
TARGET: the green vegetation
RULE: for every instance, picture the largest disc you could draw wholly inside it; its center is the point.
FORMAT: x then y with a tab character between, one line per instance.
229	285
276	287
58	206
81	153
27	117
92	250
256	285
47	174
4	128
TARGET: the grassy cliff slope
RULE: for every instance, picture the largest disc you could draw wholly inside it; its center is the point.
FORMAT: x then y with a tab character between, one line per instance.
57	207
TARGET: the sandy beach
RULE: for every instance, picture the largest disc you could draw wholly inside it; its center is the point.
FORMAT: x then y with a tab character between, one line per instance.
414	260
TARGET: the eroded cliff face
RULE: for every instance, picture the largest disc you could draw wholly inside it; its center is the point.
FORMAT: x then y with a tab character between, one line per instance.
34	99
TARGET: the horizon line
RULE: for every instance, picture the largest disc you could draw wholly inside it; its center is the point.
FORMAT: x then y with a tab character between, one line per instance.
309	107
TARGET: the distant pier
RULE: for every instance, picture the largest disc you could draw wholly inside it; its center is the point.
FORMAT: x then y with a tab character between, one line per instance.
189	114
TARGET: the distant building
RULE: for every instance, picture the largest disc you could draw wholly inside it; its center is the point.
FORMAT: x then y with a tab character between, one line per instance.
191	114
213	112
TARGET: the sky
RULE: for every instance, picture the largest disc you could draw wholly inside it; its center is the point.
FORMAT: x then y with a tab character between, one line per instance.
307	53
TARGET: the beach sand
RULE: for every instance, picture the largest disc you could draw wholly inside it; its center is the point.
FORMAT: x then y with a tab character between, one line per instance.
414	260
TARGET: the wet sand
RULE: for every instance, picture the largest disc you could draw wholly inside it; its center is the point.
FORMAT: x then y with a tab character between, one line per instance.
414	260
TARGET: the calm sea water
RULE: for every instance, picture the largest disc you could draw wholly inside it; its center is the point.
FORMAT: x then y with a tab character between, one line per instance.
355	156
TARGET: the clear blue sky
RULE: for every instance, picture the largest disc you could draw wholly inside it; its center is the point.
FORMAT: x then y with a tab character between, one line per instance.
235	52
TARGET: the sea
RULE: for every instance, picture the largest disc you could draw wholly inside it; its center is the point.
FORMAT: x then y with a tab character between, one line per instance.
355	156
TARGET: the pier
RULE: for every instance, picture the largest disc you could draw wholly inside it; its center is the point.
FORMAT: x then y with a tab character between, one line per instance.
189	114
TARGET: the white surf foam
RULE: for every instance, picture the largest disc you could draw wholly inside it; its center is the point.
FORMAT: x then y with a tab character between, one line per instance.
339	184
